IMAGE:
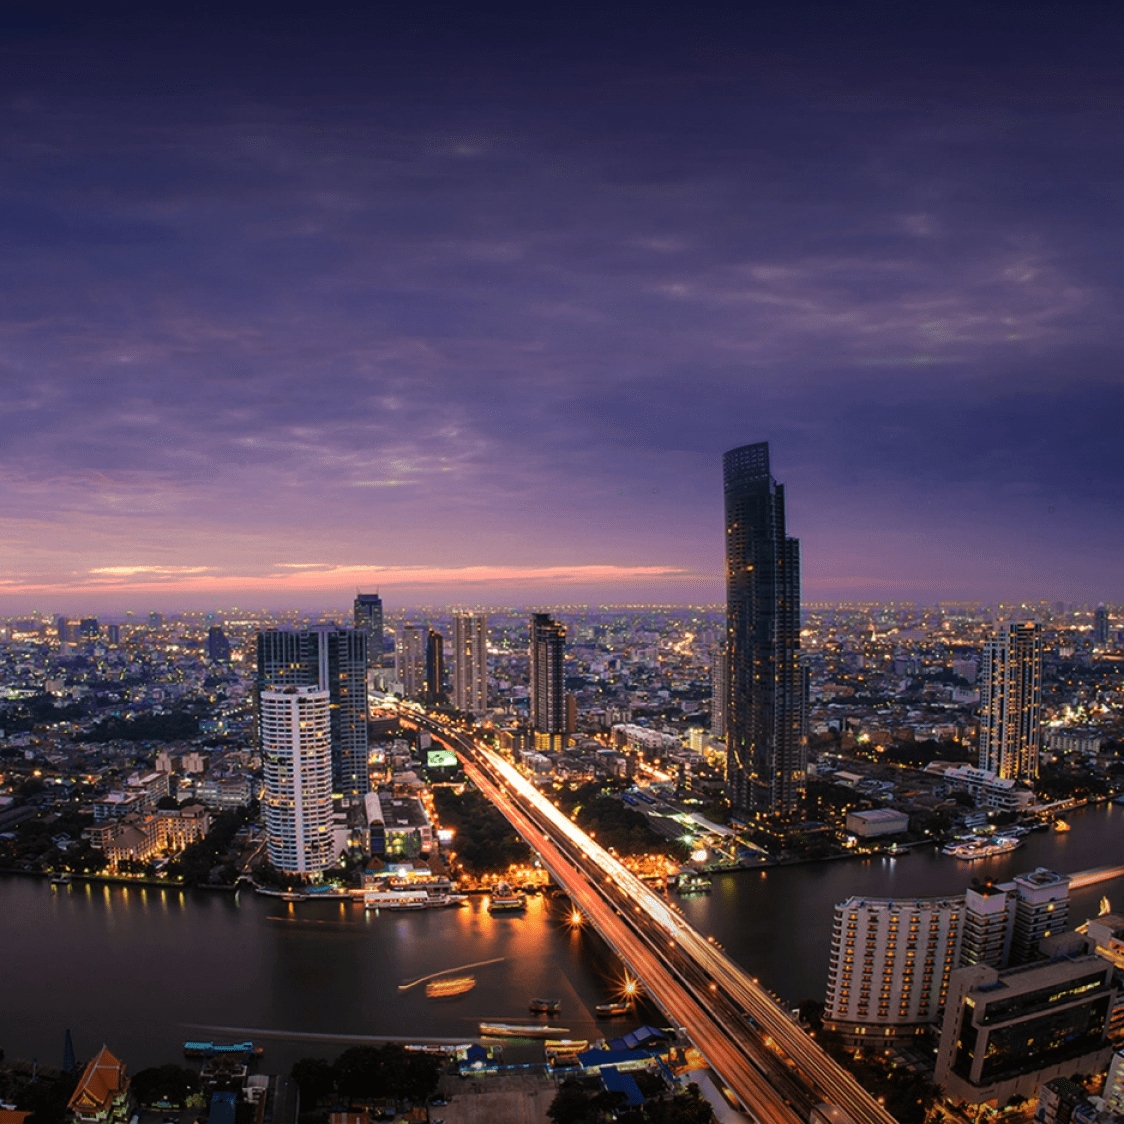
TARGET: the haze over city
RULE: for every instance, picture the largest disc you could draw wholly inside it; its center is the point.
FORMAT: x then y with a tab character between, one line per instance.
466	303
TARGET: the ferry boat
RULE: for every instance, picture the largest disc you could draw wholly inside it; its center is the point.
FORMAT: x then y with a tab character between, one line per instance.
983	848
220	1050
896	850
565	1045
546	1006
521	1030
61	880
410	899
449	987
506	900
611	1010
693	884
1061	825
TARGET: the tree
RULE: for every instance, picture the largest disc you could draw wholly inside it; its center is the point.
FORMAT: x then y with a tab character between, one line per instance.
170	1084
688	1107
316	1079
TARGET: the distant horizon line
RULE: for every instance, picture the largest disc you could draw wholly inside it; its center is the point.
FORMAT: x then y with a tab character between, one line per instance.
510	607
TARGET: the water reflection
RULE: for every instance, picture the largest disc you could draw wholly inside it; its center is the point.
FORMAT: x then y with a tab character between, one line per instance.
104	961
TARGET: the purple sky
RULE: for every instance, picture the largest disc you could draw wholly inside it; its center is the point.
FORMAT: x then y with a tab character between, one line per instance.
321	296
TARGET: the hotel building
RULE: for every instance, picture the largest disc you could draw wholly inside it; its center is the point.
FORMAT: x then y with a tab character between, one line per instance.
891	960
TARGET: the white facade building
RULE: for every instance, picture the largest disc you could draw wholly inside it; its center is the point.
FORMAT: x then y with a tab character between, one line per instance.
890	966
470	662
296	747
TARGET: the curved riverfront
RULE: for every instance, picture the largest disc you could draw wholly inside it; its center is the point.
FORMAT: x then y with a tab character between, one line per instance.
145	969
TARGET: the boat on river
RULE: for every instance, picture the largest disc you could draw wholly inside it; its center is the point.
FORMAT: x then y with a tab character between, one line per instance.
221	1050
410	899
693	884
611	1010
522	1030
506	900
985	847
546	1006
449	987
1061	825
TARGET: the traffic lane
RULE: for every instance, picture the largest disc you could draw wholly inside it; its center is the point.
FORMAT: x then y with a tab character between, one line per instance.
714	1041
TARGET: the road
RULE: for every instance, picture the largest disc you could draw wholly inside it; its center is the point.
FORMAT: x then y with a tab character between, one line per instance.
775	1069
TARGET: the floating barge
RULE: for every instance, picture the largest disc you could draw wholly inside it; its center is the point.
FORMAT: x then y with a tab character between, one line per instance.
221	1050
522	1030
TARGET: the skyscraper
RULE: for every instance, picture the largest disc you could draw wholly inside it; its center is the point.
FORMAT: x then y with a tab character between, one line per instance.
470	662
548	684
333	660
368	619
1100	626
218	646
434	667
1011	701
296	748
719	692
409	660
766	744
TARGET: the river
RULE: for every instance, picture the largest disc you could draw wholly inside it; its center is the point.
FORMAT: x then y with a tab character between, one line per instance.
143	969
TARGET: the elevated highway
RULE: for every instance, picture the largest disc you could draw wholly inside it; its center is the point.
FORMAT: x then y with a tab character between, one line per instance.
778	1072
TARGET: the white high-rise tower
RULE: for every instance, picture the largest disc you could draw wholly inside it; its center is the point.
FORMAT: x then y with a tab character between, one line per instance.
470	662
296	747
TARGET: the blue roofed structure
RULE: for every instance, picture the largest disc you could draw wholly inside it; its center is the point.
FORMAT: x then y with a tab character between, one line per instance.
642	1037
593	1060
617	1082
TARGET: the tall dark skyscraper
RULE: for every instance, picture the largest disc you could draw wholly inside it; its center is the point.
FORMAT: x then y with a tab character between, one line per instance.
1011	701
218	646
368	619
1101	626
548	684
434	667
333	660
766	755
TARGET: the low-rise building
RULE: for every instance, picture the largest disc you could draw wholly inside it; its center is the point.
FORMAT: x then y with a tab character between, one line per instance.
877	821
986	788
399	826
102	1093
1057	1100
1006	1032
180	827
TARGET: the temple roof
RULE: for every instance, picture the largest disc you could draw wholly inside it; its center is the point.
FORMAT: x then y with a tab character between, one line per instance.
102	1080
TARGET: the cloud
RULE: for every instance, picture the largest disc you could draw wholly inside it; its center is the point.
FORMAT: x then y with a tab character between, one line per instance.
442	315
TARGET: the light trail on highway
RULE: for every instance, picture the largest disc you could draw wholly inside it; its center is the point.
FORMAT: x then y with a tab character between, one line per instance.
763	1056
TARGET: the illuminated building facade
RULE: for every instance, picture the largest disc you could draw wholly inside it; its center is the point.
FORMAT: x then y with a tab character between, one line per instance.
890	966
765	737
548	684
719	692
1005	1032
434	667
1011	702
409	660
334	660
296	747
470	662
369	619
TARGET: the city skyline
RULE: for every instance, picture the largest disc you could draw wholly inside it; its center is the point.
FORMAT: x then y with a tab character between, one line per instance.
511	294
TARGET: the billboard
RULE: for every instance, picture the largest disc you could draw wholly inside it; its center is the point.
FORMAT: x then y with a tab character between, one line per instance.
441	759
